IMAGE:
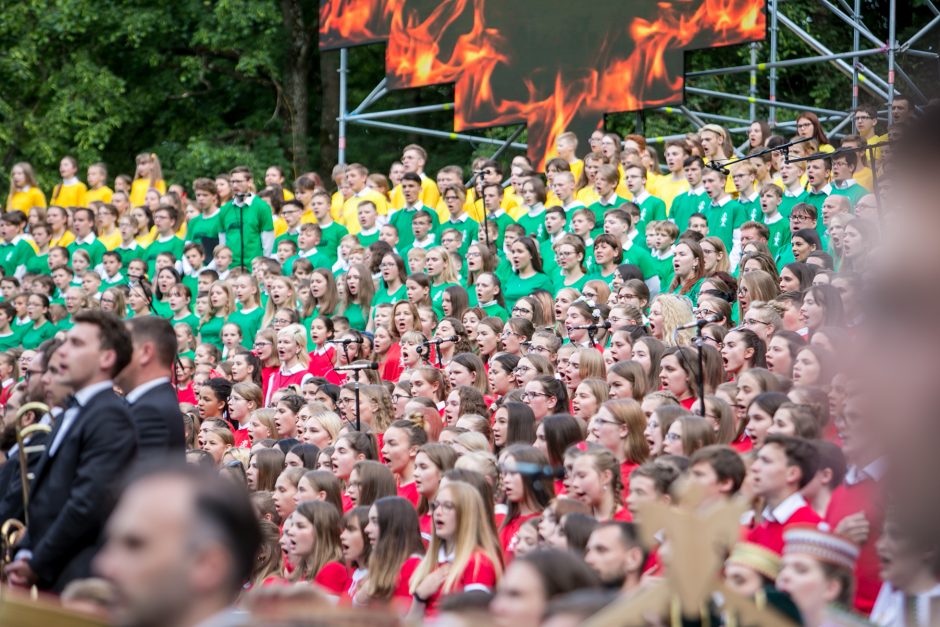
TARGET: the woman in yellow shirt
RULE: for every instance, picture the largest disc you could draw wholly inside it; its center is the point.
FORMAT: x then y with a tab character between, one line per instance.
149	174
97	186
70	192
106	217
58	219
809	126
24	193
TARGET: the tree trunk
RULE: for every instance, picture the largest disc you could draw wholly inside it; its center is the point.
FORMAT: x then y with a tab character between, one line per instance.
329	111
296	85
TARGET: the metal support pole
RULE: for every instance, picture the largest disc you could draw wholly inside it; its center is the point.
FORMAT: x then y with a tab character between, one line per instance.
782	105
693	117
343	69
926	29
685	111
752	107
856	14
508	142
444	106
873	82
892	46
433	133
377	92
823	58
772	114
855	22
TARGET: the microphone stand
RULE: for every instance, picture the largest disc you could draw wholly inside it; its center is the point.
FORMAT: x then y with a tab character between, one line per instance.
785	148
700	345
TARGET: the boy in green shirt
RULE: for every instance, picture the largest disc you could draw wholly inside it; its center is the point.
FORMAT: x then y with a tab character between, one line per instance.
166	219
291	212
605	185
651	207
368	230
83	223
794	191
15	251
721	210
204	228
330	232
112	265
129	249
744	175
247	221
533	220
778	227
692	201
39	263
843	169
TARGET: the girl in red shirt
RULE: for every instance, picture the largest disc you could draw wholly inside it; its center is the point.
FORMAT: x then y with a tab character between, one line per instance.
314	547
350	448
322	358
397	550
399	449
595	481
368	481
356	549
292	353
463	540
618	426
264	350
431	462
527	491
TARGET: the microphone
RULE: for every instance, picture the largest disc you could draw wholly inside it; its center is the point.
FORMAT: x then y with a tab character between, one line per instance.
712	165
441	340
537	470
592	327
345	341
700	323
359	365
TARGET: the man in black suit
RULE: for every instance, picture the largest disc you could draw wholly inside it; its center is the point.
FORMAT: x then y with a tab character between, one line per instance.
153	401
92	444
40	367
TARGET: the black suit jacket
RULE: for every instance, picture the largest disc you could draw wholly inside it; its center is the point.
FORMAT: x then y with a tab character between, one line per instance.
74	490
158	422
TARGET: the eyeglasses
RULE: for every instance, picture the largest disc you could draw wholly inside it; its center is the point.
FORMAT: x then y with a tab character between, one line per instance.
539	349
748	321
400	397
521	369
280	321
602	421
528	395
518	309
263	343
344	401
472	254
804	125
447	506
672	437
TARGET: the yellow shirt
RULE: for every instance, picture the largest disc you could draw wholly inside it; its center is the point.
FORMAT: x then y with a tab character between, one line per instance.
139	190
110	240
24	200
350	214
103	193
864	177
67	238
429	195
280	226
665	187
509	204
587	196
513	204
69	195
576	169
336	205
288	195
147	240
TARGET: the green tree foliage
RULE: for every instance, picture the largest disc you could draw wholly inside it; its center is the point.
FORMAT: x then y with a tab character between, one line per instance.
208	83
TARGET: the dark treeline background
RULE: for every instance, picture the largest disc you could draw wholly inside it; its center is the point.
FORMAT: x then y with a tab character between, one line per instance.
208	84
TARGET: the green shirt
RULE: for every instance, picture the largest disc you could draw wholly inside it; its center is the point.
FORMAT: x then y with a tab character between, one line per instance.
534	225
172	245
15	255
516	287
686	204
95	250
129	254
495	310
651	208
437	298
11	340
354	314
190	319
402	219
367	239
38	264
721	220
789	201
779	238
467	226
330	237
599	208
382	295
558	281
210	331
750	211
249	322
248	221
205	231
640	257
33	337
853	192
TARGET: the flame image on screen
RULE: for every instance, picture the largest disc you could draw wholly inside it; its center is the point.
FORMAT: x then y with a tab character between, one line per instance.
554	65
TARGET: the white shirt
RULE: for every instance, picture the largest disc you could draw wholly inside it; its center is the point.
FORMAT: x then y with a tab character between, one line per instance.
83	396
785	509
874	471
134	395
889	607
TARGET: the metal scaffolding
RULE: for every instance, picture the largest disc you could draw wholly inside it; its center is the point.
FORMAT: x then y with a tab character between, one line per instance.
847	62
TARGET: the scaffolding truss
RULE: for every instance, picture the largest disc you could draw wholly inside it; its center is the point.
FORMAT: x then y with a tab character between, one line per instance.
847	62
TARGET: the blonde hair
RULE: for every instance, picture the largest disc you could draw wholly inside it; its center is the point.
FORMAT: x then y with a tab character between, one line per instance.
325	520
299	335
473	534
227	309
156	170
329	420
629	413
677	310
448	275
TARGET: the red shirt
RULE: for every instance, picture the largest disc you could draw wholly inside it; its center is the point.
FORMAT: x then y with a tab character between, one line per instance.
281	379
186	394
480	574
687	403
266	372
333	577
625	469
391	369
793	510
743	444
403	589
426	524
847	499
242	438
409	491
347	503
507	534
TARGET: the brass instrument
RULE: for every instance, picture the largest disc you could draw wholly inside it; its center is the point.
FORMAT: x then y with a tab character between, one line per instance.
12	530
